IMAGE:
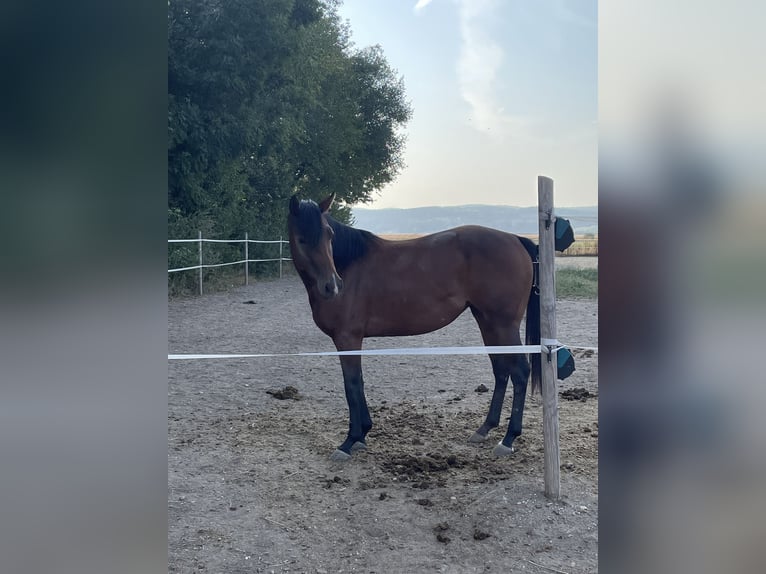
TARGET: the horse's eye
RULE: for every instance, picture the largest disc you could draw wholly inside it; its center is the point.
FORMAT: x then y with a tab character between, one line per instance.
302	241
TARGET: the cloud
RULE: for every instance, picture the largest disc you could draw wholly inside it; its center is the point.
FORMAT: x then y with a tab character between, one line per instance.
422	4
479	62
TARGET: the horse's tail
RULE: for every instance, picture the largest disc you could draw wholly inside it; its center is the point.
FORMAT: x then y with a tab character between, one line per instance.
533	316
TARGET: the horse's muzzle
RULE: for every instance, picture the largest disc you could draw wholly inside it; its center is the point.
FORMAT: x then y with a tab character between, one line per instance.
332	288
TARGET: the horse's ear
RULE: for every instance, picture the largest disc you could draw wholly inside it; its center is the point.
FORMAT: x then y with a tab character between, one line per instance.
325	204
294	205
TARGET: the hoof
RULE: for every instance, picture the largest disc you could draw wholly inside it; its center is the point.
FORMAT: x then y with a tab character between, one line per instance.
339	456
502	450
358	445
476	437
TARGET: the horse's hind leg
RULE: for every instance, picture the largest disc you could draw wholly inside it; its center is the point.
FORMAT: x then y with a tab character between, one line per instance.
497	331
519	377
501	367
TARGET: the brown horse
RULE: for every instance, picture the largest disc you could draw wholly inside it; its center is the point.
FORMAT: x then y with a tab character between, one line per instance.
361	285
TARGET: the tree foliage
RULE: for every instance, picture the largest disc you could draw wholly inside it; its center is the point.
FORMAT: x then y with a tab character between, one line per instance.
269	97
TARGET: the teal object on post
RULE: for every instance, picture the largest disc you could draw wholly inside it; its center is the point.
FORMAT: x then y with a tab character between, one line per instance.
564	363
564	234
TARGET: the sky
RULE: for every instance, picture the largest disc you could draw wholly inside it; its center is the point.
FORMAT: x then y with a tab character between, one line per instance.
502	91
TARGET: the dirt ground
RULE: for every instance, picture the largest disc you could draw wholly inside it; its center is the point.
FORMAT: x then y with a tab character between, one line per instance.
251	487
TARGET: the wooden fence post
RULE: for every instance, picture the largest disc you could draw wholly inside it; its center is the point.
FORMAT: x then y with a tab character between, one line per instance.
547	281
246	258
199	236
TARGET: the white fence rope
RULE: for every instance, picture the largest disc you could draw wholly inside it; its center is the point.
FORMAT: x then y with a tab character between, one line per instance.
243	261
228	240
506	350
207	265
183	269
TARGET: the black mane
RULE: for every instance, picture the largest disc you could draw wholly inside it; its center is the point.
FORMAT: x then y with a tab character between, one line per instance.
349	244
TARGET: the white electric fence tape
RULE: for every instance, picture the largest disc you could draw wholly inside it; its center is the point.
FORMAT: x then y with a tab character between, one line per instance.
507	350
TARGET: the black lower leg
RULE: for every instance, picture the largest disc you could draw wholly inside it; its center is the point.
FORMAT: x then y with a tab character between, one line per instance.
357	408
519	377
354	425
500	368
366	419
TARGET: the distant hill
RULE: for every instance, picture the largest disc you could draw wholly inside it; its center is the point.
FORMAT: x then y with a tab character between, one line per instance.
429	219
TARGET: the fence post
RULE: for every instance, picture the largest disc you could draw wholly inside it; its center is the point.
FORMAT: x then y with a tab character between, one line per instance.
547	281
246	258
199	236
280	257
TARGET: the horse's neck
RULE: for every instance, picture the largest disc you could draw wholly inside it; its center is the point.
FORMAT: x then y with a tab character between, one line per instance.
351	244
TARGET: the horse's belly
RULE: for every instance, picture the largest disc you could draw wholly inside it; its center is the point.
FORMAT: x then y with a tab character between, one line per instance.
405	315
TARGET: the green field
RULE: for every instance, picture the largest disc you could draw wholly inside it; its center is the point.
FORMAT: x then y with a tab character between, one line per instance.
580	283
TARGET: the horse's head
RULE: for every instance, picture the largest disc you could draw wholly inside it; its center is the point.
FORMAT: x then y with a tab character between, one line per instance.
311	245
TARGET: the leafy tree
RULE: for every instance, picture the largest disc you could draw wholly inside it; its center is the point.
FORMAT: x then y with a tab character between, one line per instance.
266	98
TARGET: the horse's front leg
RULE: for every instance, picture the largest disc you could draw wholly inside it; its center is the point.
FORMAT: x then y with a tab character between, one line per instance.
360	421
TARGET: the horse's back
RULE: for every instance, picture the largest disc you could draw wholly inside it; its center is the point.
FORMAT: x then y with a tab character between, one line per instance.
477	253
487	246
